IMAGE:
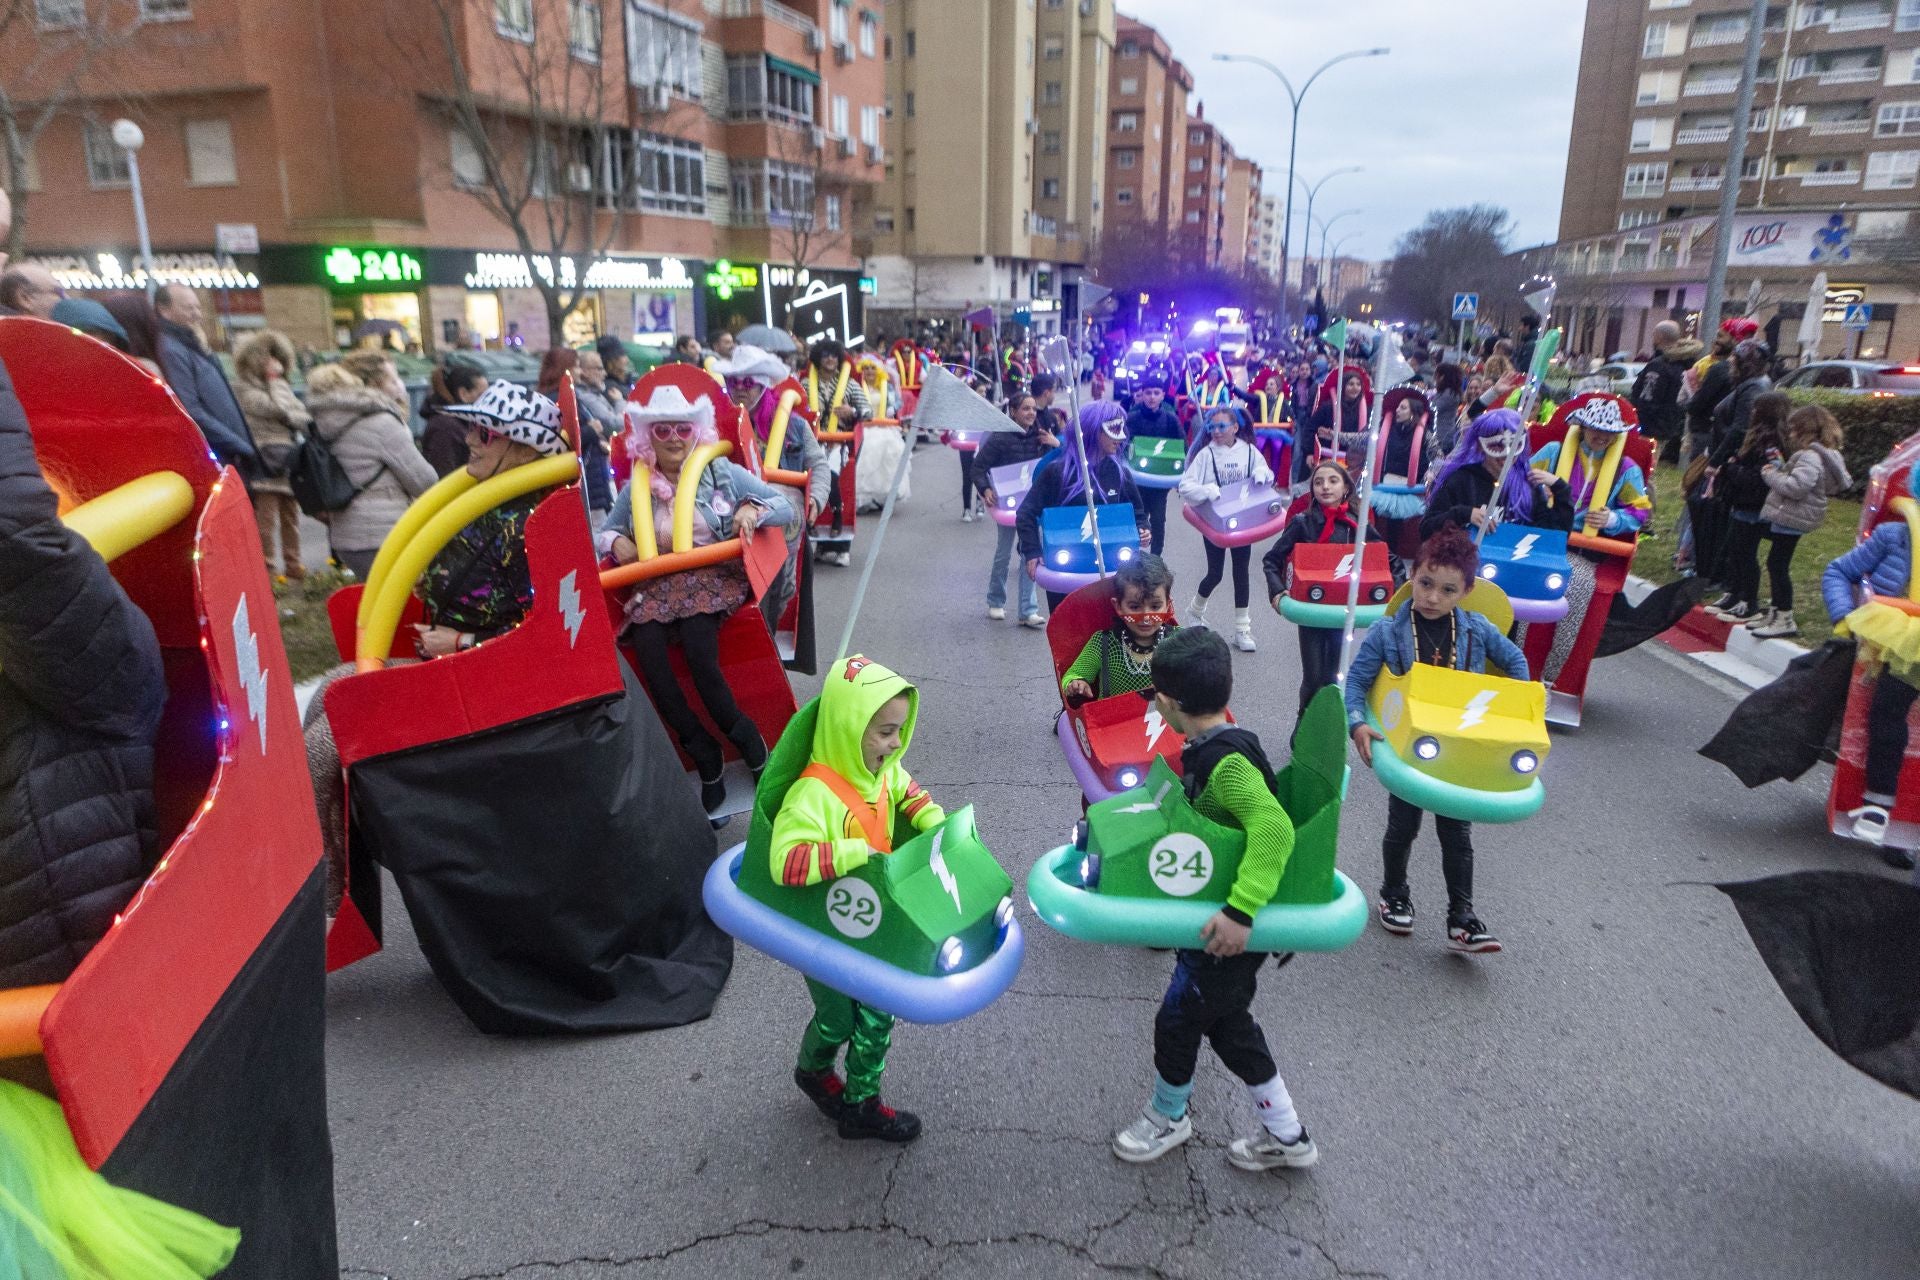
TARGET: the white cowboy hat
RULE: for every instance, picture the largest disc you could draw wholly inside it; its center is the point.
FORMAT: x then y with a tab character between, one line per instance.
669	403
1599	415
523	416
749	361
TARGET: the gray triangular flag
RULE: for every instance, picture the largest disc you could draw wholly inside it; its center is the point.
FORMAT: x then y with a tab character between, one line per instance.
948	404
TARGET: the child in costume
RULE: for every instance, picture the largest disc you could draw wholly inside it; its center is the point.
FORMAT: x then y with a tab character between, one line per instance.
1429	627
1063	482
1228	779
1333	517
838	402
1463	488
1880	566
1119	659
839	814
1403	459
1229	456
752	377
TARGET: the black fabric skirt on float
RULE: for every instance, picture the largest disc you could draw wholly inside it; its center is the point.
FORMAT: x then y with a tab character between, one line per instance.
552	869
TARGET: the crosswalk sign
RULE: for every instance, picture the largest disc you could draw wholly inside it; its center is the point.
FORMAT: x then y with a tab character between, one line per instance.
1466	306
1859	315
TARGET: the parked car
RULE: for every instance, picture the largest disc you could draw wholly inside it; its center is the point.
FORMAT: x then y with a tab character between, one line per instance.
1620	375
1865	377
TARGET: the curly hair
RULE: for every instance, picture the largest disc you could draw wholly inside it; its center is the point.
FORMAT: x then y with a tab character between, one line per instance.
1450	548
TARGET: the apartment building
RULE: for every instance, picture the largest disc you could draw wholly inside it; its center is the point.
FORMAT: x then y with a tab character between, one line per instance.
306	166
1146	128
1834	134
1264	244
992	193
1202	228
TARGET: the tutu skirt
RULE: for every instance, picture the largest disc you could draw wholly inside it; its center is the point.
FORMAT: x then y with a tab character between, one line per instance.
1397	502
1887	634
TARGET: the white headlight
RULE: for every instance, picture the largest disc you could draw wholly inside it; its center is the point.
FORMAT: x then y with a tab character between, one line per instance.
1555	581
1525	762
1426	748
1126	554
1062	557
1003	914
1487	571
1128	778
1233	522
950	954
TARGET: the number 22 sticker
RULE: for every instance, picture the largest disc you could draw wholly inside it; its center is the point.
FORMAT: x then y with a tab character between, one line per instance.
853	908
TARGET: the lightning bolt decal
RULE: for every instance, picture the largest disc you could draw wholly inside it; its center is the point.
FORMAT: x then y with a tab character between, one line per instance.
1476	711
1346	566
1155	725
1086	526
571	614
938	863
1522	548
253	679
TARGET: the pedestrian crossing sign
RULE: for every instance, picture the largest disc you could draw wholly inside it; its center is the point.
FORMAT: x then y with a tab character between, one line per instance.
1466	306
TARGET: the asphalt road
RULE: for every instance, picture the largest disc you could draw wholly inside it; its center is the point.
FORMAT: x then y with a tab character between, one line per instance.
1623	1093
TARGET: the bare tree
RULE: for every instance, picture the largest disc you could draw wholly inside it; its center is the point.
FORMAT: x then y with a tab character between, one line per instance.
802	232
548	154
70	49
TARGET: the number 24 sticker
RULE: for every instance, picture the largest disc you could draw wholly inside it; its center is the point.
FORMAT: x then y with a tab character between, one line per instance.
853	908
1181	864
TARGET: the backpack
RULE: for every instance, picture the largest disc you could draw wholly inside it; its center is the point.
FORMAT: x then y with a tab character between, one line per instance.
320	484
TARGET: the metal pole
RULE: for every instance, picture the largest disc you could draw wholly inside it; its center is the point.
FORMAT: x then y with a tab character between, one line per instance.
1366	509
1736	164
140	220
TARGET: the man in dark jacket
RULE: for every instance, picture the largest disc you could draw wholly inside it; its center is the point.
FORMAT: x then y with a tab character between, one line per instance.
81	690
1152	416
1656	392
198	380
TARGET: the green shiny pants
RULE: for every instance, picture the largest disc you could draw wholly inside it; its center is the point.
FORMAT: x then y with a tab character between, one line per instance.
838	1020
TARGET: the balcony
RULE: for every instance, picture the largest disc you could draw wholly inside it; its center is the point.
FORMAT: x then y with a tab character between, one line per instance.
1704	182
1703	133
1710	88
1718	36
772	10
1860	22
1838	178
1849	75
1838	128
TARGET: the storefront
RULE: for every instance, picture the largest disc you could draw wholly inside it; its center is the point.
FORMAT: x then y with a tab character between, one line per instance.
811	304
230	284
334	296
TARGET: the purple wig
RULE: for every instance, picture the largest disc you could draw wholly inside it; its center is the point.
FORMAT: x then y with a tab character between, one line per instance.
1094	415
1516	495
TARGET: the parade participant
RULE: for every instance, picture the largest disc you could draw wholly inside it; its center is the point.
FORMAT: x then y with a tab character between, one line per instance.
1228	457
1463	488
1152	417
1228	779
1064	482
837	402
1322	439
1402	459
840	814
1333	517
752	378
1119	659
1430	627
1002	449
691	606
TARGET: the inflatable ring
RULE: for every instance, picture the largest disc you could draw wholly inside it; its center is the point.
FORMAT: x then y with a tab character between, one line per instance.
1147	480
1006	517
1092	785
852	973
1176	922
422	509
375	640
1238	537
1450	799
1064	583
1525	610
1305	613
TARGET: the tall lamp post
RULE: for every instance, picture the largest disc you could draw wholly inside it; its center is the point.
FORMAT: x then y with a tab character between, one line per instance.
128	137
1312	191
1326	264
1293	142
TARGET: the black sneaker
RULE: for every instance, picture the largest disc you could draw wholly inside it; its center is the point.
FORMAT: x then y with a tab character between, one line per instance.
1899	859
823	1089
875	1119
1467	935
1722	601
1396	914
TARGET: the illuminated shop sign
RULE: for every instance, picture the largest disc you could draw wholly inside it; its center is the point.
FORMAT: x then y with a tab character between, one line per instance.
348	267
118	270
726	279
517	271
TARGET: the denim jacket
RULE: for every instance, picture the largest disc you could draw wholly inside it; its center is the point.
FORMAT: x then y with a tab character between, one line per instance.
1390	643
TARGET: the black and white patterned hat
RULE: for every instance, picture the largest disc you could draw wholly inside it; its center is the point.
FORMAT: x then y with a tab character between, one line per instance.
522	416
1602	414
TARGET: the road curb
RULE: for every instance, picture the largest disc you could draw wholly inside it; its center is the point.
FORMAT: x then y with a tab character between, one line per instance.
1722	647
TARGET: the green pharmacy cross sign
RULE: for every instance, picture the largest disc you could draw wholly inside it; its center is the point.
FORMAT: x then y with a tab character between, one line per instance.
376	268
725	278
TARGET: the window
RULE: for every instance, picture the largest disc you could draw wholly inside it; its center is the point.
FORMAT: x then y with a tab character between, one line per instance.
469	166
1054	49
883	220
837	22
1642	136
670	175
1897	119
1197	191
210	154
1654	45
1792	117
763	87
887	44
1123	159
52	15
870	126
1893	170
1197	138
583	29
1198	164
176	10
1130	84
1126	122
662	50
909	104
1750	169
1638	218
1049	188
773	193
1123	195
1644	180
837	116
910	43
1193	217
1050	93
1906	16
1129	48
511	18
1050	143
833	213
910	217
1657	87
106	163
869	29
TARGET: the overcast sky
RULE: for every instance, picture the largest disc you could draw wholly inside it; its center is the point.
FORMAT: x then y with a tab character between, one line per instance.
1474	103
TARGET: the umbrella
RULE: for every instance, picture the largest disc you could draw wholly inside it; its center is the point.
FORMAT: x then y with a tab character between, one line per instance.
768	338
1841	944
1809	336
380	328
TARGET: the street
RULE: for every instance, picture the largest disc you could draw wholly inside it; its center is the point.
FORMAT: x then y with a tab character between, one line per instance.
1623	1093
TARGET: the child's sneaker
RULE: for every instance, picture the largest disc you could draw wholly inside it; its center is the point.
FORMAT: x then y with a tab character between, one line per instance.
1781	628
823	1089
1396	915
1151	1136
1467	935
1243	640
875	1119
843	559
1736	613
1762	618
1034	621
1722	601
996	613
1264	1151
966	516
1870	823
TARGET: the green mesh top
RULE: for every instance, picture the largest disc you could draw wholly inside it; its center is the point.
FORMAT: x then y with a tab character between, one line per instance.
1103	663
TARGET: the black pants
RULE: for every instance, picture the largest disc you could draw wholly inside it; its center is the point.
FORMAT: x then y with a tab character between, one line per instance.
1216	566
1155	501
966	479
1887	734
1780	569
1054	600
699	638
1211	998
1708	518
1740	560
834	498
1319	661
1456	854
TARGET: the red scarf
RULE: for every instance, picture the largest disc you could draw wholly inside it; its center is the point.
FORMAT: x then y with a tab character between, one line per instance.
1342	514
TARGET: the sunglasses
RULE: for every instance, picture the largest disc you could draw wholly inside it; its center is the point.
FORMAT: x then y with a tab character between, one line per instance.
1221	424
485	435
672	431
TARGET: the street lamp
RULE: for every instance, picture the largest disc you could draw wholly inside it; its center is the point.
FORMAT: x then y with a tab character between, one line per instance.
128	137
1314	190
1293	142
1326	264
